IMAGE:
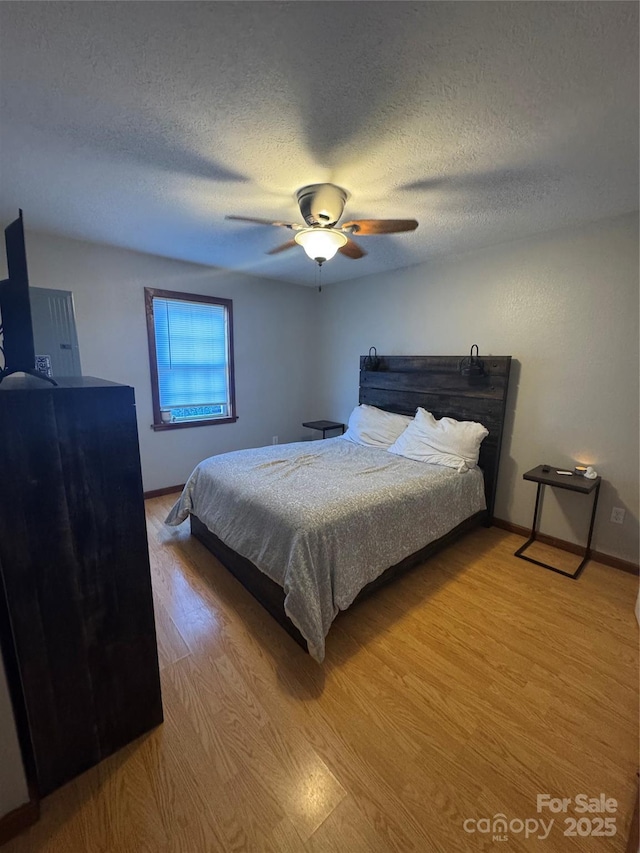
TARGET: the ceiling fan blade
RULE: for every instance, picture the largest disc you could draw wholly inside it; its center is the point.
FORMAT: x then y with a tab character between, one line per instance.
283	248
379	226
352	250
265	222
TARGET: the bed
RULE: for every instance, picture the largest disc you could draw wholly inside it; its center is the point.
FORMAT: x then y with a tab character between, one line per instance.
310	527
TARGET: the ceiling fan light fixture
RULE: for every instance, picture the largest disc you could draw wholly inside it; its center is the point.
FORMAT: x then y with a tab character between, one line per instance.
319	243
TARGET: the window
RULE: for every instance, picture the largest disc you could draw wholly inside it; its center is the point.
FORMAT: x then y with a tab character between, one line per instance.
191	357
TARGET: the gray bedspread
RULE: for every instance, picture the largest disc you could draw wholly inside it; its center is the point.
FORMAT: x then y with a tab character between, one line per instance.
324	518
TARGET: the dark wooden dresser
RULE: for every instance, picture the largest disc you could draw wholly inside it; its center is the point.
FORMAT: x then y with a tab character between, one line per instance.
74	566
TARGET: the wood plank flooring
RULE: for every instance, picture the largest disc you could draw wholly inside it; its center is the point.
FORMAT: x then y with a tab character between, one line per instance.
461	691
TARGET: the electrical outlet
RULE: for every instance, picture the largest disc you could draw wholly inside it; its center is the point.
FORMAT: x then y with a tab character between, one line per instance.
617	515
274	439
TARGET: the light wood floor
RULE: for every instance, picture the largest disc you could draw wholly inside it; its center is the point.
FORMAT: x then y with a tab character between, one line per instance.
461	691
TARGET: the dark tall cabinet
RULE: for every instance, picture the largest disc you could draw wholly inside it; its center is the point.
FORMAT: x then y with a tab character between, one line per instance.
75	573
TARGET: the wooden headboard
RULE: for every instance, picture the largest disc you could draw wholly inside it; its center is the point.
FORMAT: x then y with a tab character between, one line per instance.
401	383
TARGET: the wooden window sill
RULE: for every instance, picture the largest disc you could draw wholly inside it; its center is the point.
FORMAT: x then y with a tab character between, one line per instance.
184	424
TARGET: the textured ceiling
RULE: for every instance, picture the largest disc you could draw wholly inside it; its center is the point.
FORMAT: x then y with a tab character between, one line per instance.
141	124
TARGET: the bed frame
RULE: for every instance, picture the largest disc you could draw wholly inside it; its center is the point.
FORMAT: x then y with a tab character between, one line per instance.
401	383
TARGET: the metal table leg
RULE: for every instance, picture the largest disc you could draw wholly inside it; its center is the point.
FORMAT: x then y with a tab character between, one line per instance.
534	530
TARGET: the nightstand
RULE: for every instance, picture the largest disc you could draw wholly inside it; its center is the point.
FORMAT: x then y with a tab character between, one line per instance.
324	426
573	483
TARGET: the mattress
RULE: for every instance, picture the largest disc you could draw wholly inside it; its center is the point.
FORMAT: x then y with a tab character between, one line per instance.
324	518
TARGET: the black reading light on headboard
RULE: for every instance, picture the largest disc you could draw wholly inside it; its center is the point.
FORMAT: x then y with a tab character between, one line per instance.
371	361
472	365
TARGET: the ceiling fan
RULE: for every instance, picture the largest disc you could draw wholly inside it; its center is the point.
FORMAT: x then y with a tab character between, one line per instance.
321	206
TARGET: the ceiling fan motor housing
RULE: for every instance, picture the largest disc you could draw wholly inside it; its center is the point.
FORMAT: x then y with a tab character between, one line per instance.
321	204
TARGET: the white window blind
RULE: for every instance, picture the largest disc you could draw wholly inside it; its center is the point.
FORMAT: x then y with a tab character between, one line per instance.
192	353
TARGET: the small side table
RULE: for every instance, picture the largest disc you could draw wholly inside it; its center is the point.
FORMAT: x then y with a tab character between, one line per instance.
574	483
324	426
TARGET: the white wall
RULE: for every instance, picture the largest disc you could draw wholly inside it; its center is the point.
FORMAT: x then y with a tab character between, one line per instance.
565	306
13	785
274	336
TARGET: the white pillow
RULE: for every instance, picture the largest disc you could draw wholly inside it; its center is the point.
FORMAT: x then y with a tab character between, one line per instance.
455	444
375	427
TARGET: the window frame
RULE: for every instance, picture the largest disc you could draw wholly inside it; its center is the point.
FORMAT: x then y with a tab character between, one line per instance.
150	293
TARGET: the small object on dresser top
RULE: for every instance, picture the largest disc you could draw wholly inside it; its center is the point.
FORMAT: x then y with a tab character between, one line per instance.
566	473
580	470
546	469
